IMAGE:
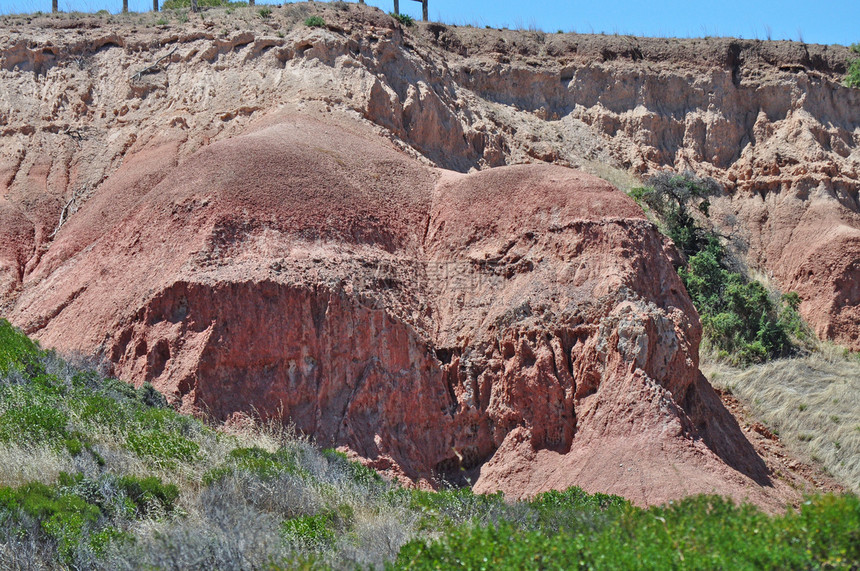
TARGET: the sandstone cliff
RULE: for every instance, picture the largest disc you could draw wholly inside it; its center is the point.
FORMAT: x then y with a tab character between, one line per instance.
286	224
522	321
767	119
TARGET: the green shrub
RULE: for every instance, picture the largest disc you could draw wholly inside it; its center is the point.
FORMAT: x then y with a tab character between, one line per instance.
576	498
164	419
852	76
671	196
162	448
79	515
100	541
263	464
700	532
312	530
739	316
62	516
116	389
34	422
451	507
403	19
315	22
149	396
149	493
357	472
16	349
99	410
264	12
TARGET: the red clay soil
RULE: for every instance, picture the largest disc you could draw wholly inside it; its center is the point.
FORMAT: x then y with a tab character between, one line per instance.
522	325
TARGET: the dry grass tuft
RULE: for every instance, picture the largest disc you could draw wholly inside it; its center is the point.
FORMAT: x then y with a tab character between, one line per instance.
22	464
812	401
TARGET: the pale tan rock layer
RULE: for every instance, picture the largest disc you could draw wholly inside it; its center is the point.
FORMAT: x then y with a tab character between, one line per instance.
521	326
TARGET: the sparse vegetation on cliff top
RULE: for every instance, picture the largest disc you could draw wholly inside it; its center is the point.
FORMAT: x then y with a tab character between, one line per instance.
852	76
404	19
315	22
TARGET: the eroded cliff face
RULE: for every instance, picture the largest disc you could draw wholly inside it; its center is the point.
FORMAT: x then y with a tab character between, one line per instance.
287	224
769	120
506	324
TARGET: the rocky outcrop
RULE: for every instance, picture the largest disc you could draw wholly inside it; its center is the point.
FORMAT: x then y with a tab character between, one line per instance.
767	119
520	326
259	218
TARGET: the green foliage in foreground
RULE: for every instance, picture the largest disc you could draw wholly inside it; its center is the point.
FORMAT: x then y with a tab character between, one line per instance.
199	498
852	76
703	532
198	490
740	317
82	516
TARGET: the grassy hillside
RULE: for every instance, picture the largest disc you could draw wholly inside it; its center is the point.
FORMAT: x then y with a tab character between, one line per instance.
95	474
812	401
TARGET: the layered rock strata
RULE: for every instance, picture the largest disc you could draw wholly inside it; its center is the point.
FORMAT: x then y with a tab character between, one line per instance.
81	98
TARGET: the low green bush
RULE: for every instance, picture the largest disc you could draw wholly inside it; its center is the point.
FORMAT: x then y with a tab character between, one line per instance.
149	494
315	22
74	514
313	530
16	350
33	422
575	499
162	448
454	505
261	463
356	471
404	19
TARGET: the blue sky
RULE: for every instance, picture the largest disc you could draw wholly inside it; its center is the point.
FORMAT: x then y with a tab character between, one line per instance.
825	21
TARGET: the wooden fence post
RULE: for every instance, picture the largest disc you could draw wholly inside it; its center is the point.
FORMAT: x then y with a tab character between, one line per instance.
423	8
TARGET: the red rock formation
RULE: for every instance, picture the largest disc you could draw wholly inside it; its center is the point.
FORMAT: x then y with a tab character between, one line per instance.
521	324
769	120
